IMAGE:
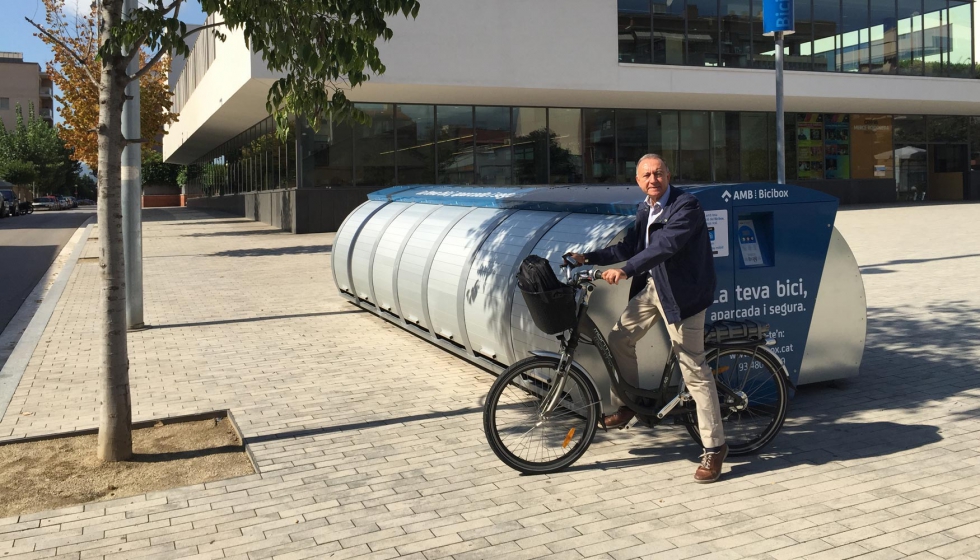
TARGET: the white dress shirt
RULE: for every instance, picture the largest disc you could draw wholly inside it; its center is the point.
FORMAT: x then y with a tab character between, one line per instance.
656	209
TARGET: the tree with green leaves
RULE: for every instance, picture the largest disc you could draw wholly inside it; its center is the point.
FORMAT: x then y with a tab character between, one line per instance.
320	48
32	153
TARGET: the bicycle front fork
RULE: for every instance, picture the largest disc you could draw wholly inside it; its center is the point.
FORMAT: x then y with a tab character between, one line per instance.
557	391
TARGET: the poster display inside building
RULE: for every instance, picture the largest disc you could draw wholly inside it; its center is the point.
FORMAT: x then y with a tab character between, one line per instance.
837	146
872	156
809	146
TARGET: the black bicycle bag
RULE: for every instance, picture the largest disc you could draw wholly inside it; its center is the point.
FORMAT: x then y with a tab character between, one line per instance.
550	302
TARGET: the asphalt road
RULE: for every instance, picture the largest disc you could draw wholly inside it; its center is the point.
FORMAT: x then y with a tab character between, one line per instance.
28	246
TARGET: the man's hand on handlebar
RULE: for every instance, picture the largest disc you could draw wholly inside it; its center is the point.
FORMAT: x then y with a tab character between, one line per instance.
614	275
577	258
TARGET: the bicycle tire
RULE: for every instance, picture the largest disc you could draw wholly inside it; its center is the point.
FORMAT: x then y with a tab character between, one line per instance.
512	425
766	389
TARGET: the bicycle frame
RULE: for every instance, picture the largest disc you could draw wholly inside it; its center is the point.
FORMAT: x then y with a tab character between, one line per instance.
665	399
626	392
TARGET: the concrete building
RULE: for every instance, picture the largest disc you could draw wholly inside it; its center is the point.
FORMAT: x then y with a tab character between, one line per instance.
23	83
882	102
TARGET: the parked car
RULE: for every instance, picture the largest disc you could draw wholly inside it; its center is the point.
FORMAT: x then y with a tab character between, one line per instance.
72	203
64	202
10	205
46	203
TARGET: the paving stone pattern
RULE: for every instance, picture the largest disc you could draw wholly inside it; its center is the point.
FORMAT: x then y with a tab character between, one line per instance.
370	445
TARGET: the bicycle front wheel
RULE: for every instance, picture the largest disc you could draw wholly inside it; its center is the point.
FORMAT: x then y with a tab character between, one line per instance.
522	436
754	418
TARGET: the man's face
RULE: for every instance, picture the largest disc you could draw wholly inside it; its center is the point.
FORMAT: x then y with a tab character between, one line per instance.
653	178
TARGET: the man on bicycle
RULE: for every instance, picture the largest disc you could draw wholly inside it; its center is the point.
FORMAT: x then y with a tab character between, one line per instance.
668	256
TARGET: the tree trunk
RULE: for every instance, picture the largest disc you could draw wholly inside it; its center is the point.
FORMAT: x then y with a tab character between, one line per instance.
115	423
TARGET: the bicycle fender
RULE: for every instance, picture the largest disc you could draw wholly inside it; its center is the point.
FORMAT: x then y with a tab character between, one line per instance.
575	364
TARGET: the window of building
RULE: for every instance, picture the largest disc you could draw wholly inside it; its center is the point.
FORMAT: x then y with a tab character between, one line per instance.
909	128
736	33
415	143
854	41
694	163
960	40
975	143
634	31
826	34
454	144
531	144
599	151
565	151
871	146
333	155
798	46
884	37
910	37
664	138
374	146
725	143
754	134
4	103
948	129
493	149
837	146
809	146
763	47
935	36
668	32
702	32
631	142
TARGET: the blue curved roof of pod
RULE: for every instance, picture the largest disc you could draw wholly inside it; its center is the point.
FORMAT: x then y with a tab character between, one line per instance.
619	200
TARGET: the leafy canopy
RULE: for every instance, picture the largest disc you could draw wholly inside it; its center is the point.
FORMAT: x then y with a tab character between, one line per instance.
33	144
79	95
321	47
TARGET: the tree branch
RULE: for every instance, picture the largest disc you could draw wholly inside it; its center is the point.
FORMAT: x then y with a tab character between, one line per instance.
149	66
202	28
70	51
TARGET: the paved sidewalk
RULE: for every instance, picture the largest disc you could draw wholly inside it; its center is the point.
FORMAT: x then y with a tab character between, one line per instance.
370	445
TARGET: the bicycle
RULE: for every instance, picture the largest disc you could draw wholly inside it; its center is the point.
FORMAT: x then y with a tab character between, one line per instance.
542	412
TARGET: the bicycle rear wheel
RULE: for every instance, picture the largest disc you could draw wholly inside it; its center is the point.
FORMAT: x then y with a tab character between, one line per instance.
753	420
520	436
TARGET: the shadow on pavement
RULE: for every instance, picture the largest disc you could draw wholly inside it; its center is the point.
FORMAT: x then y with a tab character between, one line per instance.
275	251
878	268
909	364
310	432
254	319
238	233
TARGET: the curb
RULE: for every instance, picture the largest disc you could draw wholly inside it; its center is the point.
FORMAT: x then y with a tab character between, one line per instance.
36	316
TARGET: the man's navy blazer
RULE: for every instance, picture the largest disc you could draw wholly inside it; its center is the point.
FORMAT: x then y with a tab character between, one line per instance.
679	255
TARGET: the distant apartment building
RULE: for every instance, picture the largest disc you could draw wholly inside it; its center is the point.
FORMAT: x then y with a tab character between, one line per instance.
23	83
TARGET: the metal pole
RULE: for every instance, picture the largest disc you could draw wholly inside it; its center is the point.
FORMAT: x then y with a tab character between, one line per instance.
780	117
131	199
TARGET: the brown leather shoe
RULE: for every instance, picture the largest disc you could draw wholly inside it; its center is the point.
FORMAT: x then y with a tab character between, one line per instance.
710	468
617	419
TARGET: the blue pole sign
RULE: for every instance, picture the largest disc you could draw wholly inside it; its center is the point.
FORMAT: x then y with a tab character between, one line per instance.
777	16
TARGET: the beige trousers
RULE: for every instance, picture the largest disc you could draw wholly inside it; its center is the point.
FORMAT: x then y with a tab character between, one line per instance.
687	340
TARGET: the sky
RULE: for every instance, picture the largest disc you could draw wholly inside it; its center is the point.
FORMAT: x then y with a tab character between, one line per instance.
17	35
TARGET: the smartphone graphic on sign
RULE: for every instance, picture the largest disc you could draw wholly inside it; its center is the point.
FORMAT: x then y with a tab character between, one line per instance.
748	242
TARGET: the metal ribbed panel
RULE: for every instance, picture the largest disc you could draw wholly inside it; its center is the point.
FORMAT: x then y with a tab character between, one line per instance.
411	269
342	242
364	248
447	269
490	284
576	232
389	250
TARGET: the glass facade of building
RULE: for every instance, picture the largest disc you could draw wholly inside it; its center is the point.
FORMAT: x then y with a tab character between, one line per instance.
485	145
909	37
